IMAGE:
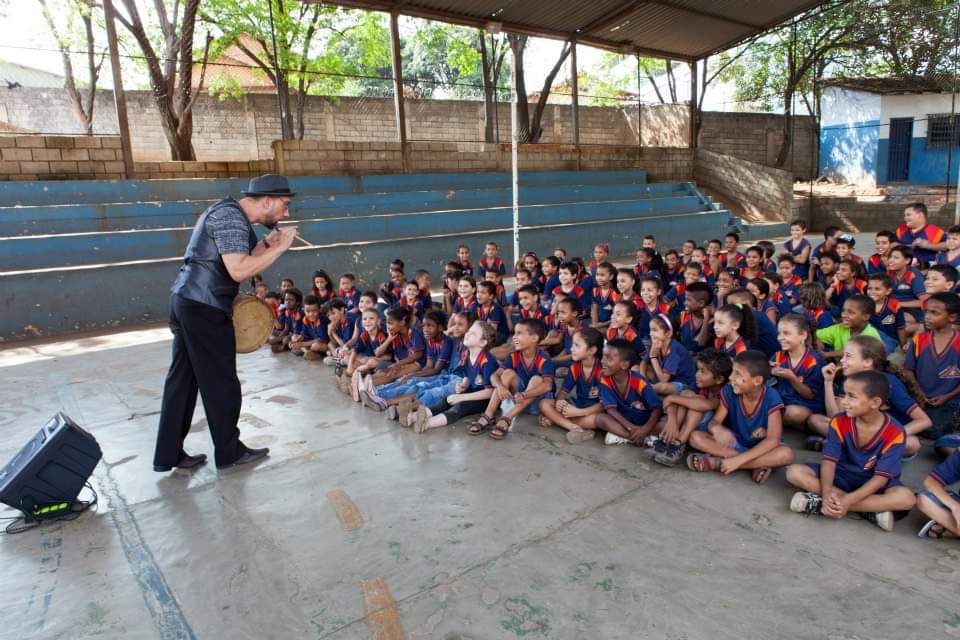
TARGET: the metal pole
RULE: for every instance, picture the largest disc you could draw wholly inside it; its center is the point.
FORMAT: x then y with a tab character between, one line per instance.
496	89
514	161
398	88
953	120
639	105
693	104
119	98
278	74
574	90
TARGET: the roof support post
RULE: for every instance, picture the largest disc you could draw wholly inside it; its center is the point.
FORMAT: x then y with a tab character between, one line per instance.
693	104
118	96
398	88
574	91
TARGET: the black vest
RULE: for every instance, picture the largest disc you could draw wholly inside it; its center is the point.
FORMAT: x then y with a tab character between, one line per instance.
203	276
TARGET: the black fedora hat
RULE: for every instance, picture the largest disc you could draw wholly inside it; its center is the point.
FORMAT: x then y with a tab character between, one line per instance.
270	184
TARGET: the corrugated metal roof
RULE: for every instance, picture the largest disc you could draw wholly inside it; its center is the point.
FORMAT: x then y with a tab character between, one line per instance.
13	73
893	85
679	29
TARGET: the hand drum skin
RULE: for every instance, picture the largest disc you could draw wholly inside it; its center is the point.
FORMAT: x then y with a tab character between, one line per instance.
252	323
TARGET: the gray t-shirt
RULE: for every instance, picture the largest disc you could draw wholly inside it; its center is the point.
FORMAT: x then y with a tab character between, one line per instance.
230	230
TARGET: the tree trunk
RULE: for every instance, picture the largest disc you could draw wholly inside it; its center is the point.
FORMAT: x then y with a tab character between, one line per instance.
535	130
787	141
671	81
489	113
517	46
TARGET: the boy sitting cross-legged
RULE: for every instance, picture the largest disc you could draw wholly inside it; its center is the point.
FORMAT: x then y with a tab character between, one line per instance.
693	409
860	470
632	406
523	378
746	428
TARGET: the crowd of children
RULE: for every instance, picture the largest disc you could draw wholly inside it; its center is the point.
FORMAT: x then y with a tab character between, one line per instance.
702	355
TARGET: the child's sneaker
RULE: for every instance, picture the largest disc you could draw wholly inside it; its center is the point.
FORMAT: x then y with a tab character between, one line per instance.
331	361
653	446
806	503
883	519
392	412
613	438
673	455
814	443
371	401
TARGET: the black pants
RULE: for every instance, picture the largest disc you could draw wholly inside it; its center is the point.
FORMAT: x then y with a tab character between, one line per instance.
204	359
459	410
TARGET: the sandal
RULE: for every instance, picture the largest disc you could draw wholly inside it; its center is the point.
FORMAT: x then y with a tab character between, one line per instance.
701	462
933	530
480	425
760	475
501	429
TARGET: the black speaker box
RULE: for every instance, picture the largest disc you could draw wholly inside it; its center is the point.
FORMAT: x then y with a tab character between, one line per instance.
52	467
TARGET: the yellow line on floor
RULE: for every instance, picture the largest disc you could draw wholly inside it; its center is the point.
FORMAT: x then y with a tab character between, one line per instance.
382	615
347	512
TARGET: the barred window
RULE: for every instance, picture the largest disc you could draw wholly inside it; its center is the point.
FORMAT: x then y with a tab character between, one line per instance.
940	130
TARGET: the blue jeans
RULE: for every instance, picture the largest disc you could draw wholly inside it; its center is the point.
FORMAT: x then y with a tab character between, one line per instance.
417	385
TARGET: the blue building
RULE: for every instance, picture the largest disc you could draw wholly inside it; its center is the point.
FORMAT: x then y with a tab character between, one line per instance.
883	130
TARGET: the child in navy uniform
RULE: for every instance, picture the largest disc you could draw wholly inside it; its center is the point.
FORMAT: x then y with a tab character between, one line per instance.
668	364
578	401
746	428
860	470
524	378
632	407
798	371
939	503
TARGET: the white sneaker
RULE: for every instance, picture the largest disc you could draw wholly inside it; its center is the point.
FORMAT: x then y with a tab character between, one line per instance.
883	519
614	439
507	405
330	361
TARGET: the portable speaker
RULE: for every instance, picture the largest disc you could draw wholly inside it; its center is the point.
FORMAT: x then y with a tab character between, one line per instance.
52	467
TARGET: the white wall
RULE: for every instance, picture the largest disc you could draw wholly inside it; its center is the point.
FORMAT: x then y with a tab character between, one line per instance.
917	106
848	107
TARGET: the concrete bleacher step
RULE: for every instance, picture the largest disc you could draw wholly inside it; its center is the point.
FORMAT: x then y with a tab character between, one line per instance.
115	191
61	250
55	219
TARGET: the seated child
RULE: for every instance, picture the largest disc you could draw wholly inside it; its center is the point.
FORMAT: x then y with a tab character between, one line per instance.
787	268
567	321
363	353
422	278
860	469
651	292
760	289
463	260
512	303
601	253
349	293
604	295
522	380
476	368
798	248
845	284
908	285
322	286
695	319
549	278
578	413
735	329
883	242
568	276
490	311
692	409
951	257
938	503
438	351
311	342
466	295
341	332
854	321
887	317
826	268
865	353
411	303
632	406
392	290
933	361
815	308
797	369
491	261
451	282
426	386
766	340
285	283
668	364
291	320
746	428
623	324
401	353
627	287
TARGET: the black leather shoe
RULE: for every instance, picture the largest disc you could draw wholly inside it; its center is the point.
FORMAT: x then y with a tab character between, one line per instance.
248	456
186	462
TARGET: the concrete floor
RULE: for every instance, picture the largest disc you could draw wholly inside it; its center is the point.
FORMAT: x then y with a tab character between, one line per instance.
529	537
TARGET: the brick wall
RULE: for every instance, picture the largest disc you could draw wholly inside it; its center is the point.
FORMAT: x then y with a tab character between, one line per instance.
60	158
177	169
312	157
244	129
757	136
857	215
763	192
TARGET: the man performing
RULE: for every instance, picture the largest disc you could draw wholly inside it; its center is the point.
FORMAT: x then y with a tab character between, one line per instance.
223	251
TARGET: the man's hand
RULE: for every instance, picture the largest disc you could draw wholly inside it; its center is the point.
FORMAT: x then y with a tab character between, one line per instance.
286	237
273	237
